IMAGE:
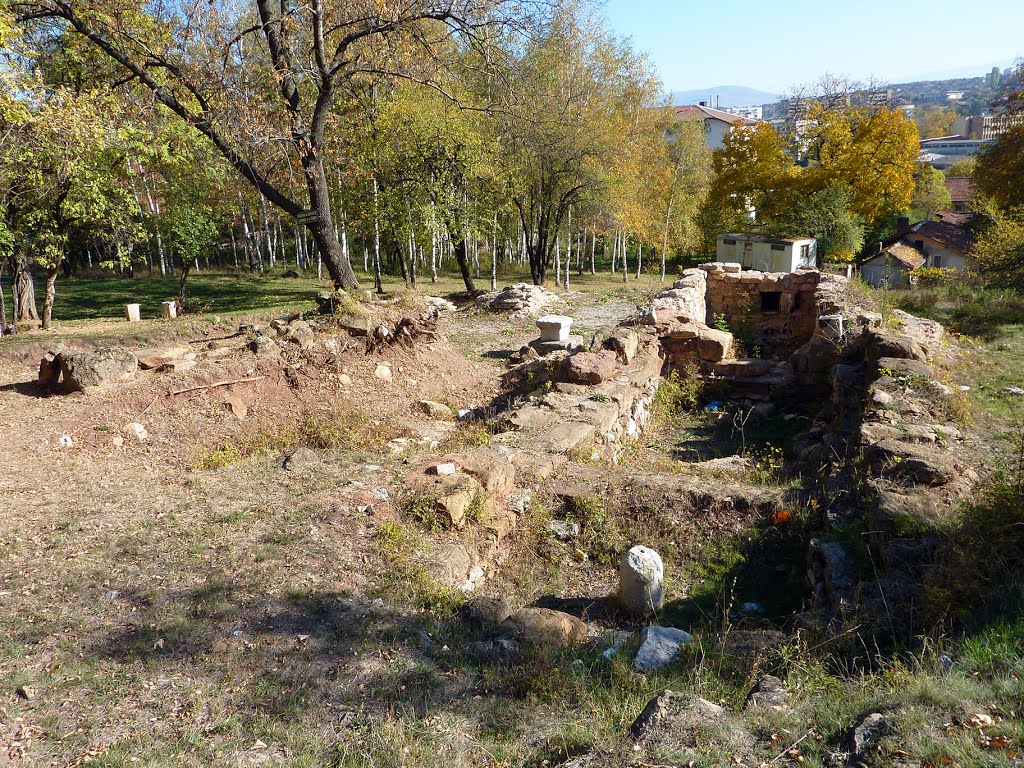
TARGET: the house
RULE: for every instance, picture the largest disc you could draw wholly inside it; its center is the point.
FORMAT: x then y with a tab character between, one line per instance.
892	267
961	192
767	254
945	245
716	122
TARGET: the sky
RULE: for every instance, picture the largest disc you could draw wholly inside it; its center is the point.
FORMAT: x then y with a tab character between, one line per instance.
773	45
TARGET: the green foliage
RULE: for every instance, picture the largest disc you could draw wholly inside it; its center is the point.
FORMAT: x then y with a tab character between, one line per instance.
979	575
679	393
600	536
930	193
930	276
827	215
1000	168
1000	248
190	229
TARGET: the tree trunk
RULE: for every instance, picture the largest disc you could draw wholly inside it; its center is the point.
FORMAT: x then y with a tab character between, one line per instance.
50	295
462	260
3	305
24	293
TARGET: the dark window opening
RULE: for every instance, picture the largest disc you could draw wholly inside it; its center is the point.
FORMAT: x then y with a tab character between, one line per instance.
798	300
727	241
771	301
778	247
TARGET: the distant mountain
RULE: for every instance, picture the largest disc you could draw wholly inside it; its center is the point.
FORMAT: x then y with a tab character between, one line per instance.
725	96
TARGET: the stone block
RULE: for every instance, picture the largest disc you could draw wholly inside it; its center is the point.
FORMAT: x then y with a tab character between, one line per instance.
178	366
572	344
554	327
565	437
491	468
170	310
592	367
453	497
625	342
133	312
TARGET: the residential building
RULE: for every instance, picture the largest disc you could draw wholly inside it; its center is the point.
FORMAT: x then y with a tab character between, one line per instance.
717	123
748	113
767	254
892	267
961	192
944	244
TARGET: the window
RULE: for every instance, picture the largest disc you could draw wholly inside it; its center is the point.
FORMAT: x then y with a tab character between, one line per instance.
936	260
798	299
771	301
805	252
727	241
777	247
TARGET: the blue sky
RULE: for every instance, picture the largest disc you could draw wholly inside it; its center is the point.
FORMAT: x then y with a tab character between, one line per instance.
775	44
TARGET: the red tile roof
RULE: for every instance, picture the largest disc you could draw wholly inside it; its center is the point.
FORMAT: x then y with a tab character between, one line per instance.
961	189
906	254
946	233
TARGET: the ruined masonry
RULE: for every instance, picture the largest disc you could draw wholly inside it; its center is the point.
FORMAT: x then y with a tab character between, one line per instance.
587	403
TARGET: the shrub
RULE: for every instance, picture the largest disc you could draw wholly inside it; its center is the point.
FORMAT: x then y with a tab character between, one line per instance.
678	393
928	276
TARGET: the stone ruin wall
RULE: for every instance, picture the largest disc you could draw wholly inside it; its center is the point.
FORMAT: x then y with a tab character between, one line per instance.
776	312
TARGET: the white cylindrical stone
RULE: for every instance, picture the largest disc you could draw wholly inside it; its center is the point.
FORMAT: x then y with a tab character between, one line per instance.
641	578
170	310
133	312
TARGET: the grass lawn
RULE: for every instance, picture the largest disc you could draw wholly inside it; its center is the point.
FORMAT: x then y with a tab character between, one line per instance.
232	294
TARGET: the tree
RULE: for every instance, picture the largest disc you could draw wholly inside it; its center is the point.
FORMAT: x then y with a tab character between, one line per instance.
260	80
826	215
567	107
753	170
873	152
934	120
1000	248
1000	169
64	179
962	168
930	193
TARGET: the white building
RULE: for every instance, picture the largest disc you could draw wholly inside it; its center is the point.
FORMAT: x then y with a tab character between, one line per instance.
767	254
716	122
748	113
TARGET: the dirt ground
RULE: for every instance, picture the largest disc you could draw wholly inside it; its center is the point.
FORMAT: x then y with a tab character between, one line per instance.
155	609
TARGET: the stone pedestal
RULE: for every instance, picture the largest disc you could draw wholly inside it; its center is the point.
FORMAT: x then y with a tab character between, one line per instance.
133	312
170	310
554	327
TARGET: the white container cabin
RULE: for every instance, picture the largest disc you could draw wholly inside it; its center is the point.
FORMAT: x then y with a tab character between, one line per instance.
767	254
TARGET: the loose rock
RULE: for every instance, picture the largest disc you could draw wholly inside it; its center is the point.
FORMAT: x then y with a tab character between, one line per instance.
659	646
641	577
545	628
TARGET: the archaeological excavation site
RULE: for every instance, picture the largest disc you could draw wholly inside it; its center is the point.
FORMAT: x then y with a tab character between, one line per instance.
481	519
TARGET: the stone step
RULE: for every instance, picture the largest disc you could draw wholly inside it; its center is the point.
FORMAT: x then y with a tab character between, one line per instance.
747	367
